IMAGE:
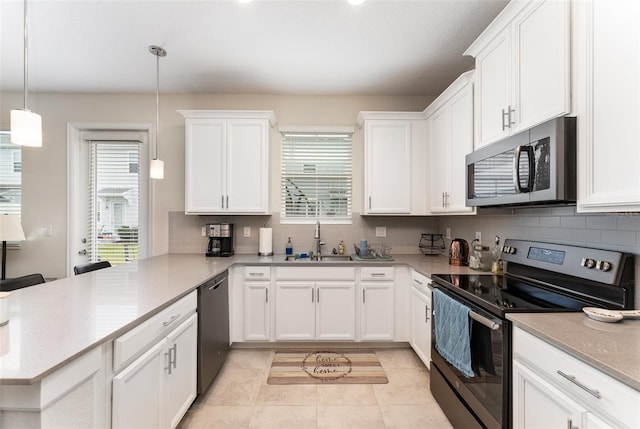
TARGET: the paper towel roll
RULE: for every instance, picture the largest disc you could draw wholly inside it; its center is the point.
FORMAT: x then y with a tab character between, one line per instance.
266	242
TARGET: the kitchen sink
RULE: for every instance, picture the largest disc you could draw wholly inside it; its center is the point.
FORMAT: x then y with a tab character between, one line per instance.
325	258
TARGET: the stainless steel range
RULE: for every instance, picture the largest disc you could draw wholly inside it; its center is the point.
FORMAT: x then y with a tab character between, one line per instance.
473	383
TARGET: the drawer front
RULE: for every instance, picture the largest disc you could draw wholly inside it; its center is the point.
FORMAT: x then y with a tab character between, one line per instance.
138	339
420	281
315	273
376	273
581	381
257	273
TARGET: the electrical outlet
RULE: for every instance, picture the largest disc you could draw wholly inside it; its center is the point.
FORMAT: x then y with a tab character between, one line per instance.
381	231
448	233
204	231
48	230
479	236
246	231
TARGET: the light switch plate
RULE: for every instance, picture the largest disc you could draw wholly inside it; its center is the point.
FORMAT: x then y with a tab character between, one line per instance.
204	231
246	231
381	231
448	233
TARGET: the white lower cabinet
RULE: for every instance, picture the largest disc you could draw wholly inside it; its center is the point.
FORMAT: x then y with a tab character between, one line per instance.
376	308
552	389
257	303
315	310
307	309
157	388
421	318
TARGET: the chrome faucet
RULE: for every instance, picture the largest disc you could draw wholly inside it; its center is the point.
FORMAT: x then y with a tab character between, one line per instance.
319	242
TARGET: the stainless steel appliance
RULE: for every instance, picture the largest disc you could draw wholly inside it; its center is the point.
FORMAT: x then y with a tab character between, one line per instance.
536	166
213	329
538	277
459	252
220	239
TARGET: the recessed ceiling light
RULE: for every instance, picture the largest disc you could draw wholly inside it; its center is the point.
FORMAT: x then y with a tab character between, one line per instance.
356	2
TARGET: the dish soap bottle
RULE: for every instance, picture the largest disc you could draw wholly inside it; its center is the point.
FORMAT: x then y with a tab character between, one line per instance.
341	248
289	248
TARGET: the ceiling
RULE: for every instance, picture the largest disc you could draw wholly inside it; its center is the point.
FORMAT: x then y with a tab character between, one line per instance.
311	47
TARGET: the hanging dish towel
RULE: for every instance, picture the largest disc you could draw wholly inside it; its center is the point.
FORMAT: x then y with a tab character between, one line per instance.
452	332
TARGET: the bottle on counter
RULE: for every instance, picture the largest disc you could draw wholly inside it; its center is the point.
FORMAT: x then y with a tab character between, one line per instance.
289	248
496	262
341	248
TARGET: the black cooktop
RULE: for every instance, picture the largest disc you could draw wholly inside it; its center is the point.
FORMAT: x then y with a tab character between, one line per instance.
501	294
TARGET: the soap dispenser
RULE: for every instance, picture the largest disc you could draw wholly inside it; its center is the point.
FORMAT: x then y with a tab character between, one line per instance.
341	248
289	248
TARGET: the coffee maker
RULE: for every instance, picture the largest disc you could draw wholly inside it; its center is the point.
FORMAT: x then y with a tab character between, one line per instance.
220	241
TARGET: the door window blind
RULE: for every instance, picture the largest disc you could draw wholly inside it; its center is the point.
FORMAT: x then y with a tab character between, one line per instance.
316	176
10	176
113	202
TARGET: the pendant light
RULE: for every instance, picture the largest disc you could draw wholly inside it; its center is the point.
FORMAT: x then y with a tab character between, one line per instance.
26	126
156	169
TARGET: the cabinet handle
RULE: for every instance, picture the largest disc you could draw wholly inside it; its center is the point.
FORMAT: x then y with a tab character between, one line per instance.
572	378
509	117
504	115
266	295
170	321
417	281
313	292
168	367
318	295
443	200
426	314
369	203
175	355
227	201
221	201
256	274
363	296
446	199
377	274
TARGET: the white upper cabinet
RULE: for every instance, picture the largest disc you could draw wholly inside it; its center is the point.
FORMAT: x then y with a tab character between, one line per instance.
394	163
522	69
227	161
450	139
606	88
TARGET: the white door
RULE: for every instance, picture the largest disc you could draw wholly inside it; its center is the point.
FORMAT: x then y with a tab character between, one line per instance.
138	391
182	377
205	166
377	311
257	314
109	196
440	157
335	311
295	311
421	332
461	144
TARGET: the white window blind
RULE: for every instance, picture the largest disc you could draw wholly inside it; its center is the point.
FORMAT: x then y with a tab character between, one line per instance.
316	176
10	176
113	202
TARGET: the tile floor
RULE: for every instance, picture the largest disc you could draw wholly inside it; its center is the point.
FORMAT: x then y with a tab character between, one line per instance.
241	398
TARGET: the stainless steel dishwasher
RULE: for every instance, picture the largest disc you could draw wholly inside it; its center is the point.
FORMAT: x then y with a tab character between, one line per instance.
213	328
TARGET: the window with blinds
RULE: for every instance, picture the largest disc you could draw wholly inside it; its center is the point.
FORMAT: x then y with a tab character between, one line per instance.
10	176
316	177
113	202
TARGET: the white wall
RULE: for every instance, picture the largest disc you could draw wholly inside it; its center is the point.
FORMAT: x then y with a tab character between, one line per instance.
45	169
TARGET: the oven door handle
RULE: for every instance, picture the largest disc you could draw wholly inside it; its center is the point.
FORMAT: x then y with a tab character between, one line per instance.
491	324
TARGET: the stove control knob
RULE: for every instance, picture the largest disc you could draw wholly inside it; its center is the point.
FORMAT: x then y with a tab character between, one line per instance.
588	263
505	249
512	250
603	265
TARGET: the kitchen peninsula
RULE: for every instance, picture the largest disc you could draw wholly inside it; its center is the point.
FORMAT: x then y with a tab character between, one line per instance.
57	352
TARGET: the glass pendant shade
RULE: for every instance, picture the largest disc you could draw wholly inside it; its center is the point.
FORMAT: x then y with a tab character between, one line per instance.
156	169
26	128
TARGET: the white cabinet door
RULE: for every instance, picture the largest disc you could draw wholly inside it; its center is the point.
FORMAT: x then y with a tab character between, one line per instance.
376	314
421	332
335	311
541	77
451	139
295	312
493	91
523	71
138	391
537	404
182	344
387	167
205	178
607	102
247	165
257	311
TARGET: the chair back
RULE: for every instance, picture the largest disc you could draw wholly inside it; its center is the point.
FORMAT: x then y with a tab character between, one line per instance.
91	266
20	282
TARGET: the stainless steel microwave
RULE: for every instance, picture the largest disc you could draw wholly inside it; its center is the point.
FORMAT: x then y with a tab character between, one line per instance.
536	166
